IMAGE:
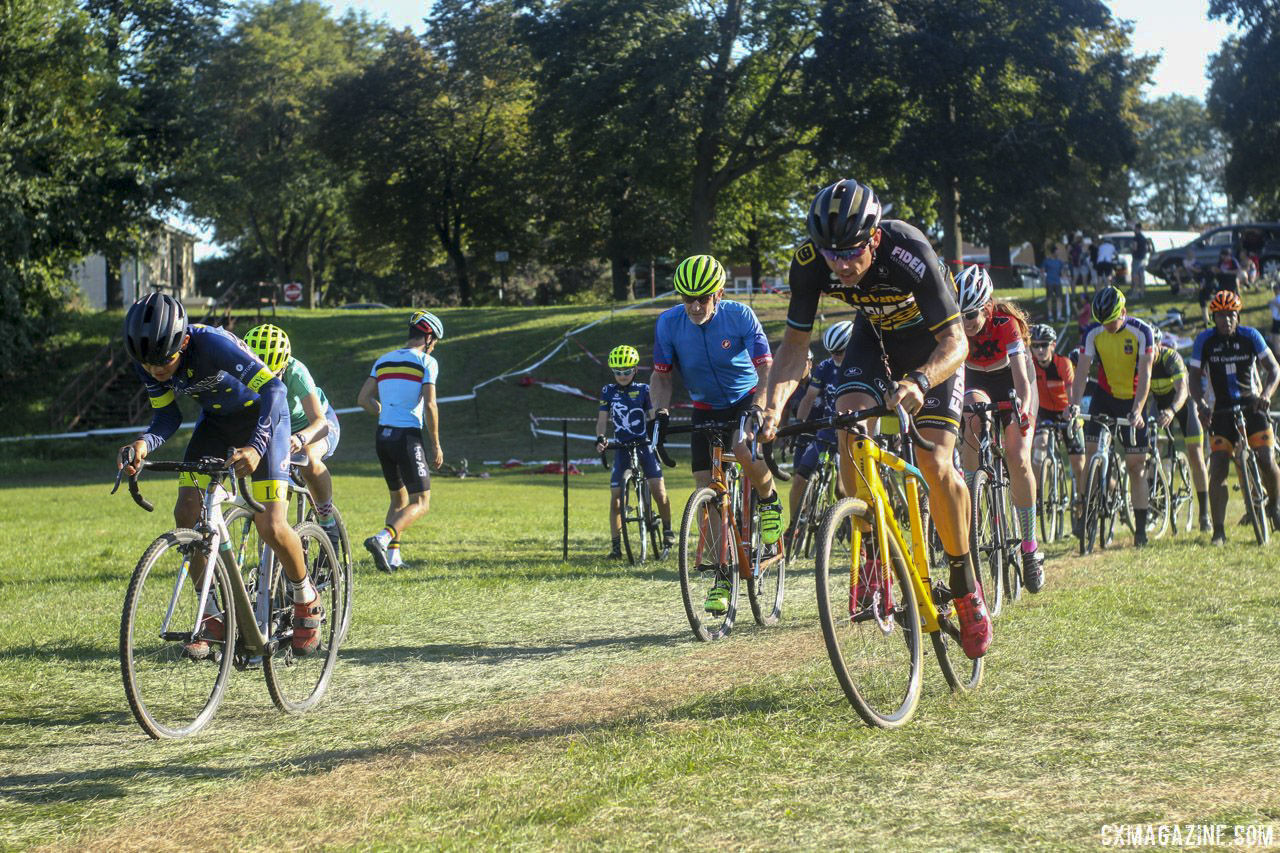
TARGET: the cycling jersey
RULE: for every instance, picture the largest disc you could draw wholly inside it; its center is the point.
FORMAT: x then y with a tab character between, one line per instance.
1166	370
992	347
223	375
401	374
299	385
1231	363
1117	355
906	287
826	379
1053	383
628	408
718	359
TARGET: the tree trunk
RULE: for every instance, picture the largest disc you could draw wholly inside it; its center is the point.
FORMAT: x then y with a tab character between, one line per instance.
459	261
753	256
949	212
702	214
309	286
620	272
1001	259
115	282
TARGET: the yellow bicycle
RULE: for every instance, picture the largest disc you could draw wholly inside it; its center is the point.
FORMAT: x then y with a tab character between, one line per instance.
875	594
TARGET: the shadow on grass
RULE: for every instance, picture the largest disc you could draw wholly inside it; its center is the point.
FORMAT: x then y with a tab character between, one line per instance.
62	652
486	653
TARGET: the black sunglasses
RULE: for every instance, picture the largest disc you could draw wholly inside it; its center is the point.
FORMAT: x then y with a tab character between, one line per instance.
972	315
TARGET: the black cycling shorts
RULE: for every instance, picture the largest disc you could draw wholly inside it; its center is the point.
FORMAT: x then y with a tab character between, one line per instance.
1185	418
700	445
1102	403
863	370
403	459
215	435
1222	429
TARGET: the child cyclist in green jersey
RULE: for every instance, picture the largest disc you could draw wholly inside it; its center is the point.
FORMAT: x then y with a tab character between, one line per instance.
401	392
313	424
626	404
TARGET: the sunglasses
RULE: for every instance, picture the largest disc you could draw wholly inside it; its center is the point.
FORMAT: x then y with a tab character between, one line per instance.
845	254
627	372
972	315
704	299
1039	346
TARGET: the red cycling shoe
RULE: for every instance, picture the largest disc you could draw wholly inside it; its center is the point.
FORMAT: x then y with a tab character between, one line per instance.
975	625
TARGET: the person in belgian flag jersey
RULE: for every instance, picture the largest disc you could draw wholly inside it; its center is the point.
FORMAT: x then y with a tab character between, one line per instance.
402	387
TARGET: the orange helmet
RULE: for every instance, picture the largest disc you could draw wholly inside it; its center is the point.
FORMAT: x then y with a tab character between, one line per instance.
1224	300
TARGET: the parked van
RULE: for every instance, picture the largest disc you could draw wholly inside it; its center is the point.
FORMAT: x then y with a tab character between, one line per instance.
1157	241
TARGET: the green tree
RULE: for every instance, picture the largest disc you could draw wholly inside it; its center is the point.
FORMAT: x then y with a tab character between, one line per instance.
1178	170
435	132
264	182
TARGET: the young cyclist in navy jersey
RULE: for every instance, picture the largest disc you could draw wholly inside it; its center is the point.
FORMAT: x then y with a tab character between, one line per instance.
625	403
400	390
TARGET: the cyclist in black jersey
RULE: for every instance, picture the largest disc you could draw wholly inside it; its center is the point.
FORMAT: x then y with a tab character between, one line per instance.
1170	397
907	348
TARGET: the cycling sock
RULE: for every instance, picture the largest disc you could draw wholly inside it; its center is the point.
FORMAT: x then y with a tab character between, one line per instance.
1027	524
1202	498
303	591
1030	545
773	498
1140	519
393	553
617	544
324	512
962	579
385	536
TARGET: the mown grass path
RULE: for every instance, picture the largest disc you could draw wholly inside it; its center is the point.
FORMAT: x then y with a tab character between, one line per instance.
494	696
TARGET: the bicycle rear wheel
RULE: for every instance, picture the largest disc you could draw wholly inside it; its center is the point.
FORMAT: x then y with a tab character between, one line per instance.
1048	497
343	549
297	682
651	523
1255	498
869	618
1012	574
984	540
171	694
708	555
634	538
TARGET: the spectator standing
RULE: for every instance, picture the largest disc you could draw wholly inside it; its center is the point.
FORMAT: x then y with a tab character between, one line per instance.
1105	263
1055	299
1077	257
1139	273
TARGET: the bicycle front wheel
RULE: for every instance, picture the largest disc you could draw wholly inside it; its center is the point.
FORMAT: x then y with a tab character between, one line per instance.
708	558
634	538
1094	505
985	541
1255	498
171	693
869	618
1180	487
296	681
1159	499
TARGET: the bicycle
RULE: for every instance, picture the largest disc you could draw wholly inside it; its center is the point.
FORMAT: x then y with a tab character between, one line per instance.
173	694
1159	494
1178	475
1055	488
641	528
991	536
720	540
1106	491
1252	490
819	494
875	593
244	535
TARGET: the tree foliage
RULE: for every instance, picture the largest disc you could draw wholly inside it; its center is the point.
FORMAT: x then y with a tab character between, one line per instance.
1178	171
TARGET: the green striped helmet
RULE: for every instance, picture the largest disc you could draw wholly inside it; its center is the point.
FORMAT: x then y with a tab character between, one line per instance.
699	275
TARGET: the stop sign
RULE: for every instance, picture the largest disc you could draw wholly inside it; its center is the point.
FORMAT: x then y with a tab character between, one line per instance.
293	292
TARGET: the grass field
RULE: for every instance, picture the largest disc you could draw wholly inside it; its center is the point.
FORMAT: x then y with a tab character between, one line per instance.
492	695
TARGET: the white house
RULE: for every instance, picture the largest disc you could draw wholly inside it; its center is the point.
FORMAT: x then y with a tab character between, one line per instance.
166	259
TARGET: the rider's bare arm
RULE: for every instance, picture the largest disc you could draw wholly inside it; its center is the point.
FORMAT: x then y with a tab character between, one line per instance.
1196	385
431	420
317	425
1271	369
1024	382
948	355
806	404
1144	380
763	369
660	387
368	399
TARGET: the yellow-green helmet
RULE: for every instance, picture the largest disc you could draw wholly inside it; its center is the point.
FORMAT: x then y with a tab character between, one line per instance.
624	357
699	275
270	344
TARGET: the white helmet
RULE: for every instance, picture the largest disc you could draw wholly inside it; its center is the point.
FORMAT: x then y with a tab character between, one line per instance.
975	288
837	335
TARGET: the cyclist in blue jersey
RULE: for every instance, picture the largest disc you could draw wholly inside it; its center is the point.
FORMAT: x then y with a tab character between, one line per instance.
312	421
723	356
819	400
1233	354
400	387
625	403
243	406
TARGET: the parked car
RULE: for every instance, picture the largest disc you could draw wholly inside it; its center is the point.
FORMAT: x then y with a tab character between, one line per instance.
1210	243
1157	241
1026	276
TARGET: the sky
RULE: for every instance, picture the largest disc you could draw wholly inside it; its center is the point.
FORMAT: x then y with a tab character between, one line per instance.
1178	30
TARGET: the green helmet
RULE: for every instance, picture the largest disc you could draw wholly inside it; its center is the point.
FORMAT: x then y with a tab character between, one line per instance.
699	275
624	358
1108	304
271	344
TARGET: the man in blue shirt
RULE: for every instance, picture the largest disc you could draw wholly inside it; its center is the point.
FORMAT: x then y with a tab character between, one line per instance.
400	387
723	357
1233	354
243	405
1055	297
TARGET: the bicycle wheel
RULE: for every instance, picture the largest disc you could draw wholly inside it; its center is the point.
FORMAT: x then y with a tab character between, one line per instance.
652	526
1043	500
344	560
297	682
805	522
708	555
1180	488
633	532
869	619
985	542
1159	500
1094	505
1255	499
767	583
1065	499
172	695
1012	569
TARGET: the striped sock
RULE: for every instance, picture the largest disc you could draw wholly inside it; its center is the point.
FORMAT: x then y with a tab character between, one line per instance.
386	536
1027	526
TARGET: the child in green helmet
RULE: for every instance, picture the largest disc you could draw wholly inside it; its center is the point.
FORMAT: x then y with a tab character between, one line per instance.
626	403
